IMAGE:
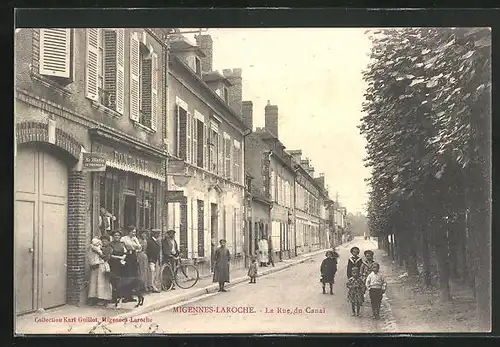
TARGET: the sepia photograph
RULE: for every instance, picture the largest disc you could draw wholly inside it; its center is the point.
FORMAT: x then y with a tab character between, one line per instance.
252	180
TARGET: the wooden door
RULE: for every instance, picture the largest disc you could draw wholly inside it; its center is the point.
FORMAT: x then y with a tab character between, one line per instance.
40	230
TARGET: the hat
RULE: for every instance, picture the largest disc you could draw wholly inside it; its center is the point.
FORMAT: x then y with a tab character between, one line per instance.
170	231
155	231
368	252
328	252
222	240
354	248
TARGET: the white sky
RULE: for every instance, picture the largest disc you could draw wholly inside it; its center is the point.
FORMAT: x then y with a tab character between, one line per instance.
314	76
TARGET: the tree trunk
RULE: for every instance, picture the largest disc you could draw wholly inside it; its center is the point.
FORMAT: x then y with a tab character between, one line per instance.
442	260
426	259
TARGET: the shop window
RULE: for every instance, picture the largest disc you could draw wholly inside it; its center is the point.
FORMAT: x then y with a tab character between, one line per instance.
110	199
146	201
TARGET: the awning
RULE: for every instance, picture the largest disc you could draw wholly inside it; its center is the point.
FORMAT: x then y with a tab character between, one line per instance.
135	170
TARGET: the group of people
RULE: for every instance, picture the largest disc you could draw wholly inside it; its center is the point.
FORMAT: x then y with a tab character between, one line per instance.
116	256
363	275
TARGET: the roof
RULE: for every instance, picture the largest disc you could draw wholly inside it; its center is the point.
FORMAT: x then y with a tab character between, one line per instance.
214	76
184	46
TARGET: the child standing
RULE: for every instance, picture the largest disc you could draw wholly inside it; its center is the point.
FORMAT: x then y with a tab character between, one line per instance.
376	285
252	270
367	264
354	261
356	293
328	270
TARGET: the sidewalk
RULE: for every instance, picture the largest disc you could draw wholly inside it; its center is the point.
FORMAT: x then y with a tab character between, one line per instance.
73	319
419	310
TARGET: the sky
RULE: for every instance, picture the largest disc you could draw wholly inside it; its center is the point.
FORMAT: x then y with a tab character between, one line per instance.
314	76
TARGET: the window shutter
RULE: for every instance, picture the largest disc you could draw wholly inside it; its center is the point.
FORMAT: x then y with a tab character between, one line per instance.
182	119
92	64
120	69
55	52
221	156
154	91
194	124
134	77
189	130
205	146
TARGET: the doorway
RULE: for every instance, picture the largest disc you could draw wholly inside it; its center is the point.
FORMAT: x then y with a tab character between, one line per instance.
130	211
41	223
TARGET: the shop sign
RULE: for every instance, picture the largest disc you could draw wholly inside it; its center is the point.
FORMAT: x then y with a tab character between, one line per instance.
93	162
130	160
173	196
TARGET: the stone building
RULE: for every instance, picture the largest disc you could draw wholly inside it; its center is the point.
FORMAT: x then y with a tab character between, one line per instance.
206	181
271	167
308	201
83	97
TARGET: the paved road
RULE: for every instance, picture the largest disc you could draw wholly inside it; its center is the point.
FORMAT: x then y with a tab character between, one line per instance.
289	301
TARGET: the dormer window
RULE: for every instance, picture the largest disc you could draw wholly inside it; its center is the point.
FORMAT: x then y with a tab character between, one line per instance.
197	64
225	94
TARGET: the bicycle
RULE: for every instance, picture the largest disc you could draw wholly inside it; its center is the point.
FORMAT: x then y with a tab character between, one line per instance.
185	276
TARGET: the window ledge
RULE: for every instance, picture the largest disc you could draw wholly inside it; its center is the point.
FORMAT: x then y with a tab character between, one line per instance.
143	127
47	82
107	110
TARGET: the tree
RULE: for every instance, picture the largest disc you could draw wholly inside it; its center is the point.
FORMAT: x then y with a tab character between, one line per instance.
426	124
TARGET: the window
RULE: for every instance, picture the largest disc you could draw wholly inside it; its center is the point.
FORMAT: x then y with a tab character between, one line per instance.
197	64
237	162
55	58
201	143
213	151
181	121
104	82
146	200
228	148
109	196
143	83
272	186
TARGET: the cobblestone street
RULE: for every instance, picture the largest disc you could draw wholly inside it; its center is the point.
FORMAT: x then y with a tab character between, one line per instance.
295	290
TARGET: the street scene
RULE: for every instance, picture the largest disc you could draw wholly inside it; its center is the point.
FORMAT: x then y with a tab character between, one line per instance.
169	183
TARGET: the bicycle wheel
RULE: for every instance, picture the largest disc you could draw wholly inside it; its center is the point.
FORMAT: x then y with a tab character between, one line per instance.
167	277
186	276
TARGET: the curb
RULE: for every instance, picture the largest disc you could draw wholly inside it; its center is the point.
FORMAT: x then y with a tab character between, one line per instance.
212	288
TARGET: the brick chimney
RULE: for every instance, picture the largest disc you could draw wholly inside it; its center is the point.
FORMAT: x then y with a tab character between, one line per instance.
271	118
205	44
235	92
247	112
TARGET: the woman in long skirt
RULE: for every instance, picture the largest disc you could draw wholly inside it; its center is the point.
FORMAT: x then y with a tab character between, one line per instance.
142	258
117	261
99	285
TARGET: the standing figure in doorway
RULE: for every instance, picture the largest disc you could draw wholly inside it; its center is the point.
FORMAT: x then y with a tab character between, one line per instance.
105	219
221	266
170	251
263	251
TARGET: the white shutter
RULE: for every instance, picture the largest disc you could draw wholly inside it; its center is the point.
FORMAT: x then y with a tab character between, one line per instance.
205	147
55	52
134	77
154	91
92	64
177	130
195	140
120	69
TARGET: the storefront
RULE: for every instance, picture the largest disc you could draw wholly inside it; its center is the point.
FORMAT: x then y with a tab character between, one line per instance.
130	190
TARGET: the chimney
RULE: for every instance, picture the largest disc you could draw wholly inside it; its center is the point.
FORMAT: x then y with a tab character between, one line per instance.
271	121
235	92
247	112
205	44
296	155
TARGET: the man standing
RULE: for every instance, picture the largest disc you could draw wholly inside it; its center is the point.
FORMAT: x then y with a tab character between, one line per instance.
221	266
105	220
153	253
170	251
270	251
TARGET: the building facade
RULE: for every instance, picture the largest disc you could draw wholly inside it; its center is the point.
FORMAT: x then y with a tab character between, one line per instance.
205	136
308	201
82	93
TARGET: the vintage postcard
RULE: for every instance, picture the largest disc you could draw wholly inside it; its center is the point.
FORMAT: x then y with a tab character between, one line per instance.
265	180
